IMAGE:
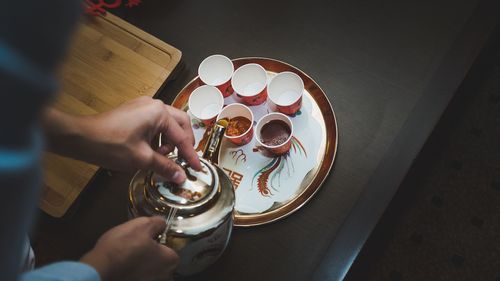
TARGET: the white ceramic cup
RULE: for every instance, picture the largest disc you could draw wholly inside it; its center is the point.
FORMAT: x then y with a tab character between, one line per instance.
217	70
205	103
236	110
285	92
249	82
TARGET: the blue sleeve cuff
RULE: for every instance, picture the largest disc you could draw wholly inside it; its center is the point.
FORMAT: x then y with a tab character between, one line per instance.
16	160
17	65
63	271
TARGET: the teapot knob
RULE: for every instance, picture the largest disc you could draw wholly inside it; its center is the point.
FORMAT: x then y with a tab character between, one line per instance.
181	162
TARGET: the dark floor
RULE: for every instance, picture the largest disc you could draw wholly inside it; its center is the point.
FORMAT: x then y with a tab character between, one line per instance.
444	221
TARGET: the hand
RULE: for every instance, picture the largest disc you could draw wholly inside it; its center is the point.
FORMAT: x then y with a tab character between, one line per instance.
121	138
128	252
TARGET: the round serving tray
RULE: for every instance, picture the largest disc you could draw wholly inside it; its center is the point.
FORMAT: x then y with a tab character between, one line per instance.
268	189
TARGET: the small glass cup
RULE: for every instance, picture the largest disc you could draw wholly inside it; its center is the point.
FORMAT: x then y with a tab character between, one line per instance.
249	82
238	110
205	103
276	139
217	70
285	93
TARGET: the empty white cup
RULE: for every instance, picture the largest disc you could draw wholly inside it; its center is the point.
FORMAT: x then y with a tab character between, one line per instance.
285	92
217	70
205	103
249	82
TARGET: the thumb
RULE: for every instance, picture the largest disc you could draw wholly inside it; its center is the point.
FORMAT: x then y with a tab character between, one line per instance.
167	168
155	226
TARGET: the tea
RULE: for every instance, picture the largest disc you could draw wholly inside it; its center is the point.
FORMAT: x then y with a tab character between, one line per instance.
238	126
274	133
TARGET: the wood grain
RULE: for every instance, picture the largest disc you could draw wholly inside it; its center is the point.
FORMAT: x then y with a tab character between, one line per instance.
110	61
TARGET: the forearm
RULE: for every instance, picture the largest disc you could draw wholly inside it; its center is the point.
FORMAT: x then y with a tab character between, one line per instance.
65	134
89	138
78	137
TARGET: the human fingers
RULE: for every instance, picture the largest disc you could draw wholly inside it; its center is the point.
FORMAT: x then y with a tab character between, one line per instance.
166	261
133	225
176	136
183	120
167	168
170	256
155	226
165	149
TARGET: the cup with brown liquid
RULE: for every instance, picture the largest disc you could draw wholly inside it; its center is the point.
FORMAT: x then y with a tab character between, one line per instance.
240	128
274	133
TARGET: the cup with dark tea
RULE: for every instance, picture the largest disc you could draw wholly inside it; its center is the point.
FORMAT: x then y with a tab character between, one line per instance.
274	133
240	123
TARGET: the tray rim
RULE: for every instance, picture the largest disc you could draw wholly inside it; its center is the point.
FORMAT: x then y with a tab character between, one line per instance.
325	166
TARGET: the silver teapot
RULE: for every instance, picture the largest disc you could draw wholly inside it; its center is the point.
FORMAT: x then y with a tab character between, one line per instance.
199	212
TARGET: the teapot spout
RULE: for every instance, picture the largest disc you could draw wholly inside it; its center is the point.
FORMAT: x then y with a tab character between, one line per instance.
211	150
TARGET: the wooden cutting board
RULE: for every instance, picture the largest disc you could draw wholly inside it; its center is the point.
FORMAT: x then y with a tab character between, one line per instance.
110	61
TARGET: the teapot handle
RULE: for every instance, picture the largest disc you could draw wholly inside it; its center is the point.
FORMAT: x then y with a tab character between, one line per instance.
211	149
181	162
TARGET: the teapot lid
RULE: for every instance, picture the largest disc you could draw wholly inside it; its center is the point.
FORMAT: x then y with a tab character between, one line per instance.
198	187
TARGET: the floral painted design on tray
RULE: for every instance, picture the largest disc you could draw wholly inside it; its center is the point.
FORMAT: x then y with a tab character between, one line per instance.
197	123
269	177
238	156
298	113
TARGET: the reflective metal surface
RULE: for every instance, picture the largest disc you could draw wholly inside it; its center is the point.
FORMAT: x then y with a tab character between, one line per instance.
199	212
